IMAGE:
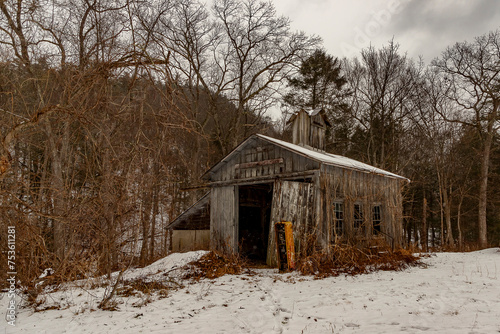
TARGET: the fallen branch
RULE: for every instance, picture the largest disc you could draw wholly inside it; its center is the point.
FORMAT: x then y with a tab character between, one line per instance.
104	304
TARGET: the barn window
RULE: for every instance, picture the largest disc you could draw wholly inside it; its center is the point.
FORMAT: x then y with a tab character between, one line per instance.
377	219
338	210
358	216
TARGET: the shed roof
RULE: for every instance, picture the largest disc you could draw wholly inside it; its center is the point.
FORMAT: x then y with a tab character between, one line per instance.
320	156
193	211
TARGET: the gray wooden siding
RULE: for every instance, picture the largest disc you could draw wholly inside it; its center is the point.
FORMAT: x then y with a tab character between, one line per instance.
353	187
301	128
261	159
293	202
309	206
190	240
309	131
224	218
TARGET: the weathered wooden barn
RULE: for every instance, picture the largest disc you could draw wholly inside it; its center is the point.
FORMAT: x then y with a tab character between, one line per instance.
328	198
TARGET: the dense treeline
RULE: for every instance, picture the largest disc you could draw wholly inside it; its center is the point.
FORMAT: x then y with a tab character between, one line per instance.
109	109
437	125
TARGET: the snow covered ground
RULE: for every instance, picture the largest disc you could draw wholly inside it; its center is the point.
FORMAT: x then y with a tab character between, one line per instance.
456	293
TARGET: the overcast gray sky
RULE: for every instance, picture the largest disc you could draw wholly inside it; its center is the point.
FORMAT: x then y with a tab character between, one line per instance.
421	27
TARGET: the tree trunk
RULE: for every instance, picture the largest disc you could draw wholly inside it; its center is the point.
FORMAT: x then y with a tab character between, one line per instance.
441	216
425	241
145	220
154	214
447	214
483	189
109	207
459	227
57	178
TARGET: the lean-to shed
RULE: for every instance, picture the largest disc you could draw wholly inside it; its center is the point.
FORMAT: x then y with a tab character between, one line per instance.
191	230
328	198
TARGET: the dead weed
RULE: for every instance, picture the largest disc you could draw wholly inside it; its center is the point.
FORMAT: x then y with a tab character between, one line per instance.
146	287
215	264
352	260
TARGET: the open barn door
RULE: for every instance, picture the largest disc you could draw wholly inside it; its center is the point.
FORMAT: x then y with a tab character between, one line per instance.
292	201
224	219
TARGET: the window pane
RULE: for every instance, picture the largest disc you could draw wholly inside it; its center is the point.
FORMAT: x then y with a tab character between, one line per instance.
377	219
339	218
358	216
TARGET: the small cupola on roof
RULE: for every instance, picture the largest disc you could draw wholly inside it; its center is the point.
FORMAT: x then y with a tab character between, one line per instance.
309	128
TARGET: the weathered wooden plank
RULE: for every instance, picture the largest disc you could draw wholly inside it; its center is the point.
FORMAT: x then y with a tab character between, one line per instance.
259	153
265	178
259	163
368	189
230	170
289	204
271	150
190	240
288	163
263	162
253	172
224	218
296	163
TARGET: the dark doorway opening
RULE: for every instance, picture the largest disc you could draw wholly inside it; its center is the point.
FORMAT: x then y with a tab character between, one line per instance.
254	218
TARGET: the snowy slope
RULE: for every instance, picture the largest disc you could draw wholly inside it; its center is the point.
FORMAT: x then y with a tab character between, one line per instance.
456	293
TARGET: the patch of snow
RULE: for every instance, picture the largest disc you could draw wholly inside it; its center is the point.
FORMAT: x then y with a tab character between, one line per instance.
47	272
456	293
167	264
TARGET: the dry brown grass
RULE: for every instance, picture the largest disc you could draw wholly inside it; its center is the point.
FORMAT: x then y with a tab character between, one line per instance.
339	259
131	287
215	264
352	260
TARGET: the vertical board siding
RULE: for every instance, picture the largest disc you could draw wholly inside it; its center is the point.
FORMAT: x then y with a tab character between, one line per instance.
260	150
319	224
224	218
366	189
190	240
309	206
301	129
292	201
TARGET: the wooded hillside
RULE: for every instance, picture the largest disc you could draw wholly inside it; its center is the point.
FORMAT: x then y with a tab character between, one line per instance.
110	109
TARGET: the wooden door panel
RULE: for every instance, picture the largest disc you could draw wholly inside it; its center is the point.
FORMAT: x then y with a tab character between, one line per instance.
292	201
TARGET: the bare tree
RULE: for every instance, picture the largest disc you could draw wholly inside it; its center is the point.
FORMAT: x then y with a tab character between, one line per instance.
383	84
240	52
71	143
471	71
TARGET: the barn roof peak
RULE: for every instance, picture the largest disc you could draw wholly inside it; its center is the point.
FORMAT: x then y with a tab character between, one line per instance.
319	156
309	128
